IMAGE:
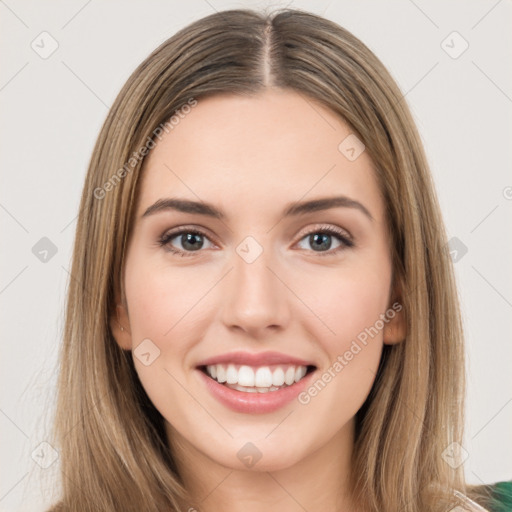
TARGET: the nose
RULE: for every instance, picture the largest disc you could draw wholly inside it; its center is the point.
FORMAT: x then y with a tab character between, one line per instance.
256	298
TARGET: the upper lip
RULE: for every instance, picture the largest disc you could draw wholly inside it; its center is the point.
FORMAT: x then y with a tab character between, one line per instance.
255	359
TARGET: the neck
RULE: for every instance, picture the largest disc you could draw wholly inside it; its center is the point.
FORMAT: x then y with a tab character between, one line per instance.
317	482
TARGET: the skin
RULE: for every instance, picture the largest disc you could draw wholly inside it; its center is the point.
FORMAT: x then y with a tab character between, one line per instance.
251	157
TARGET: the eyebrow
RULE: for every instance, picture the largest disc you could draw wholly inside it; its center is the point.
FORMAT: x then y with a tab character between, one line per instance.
294	209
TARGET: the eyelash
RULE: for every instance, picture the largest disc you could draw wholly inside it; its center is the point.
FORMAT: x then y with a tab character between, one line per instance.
346	243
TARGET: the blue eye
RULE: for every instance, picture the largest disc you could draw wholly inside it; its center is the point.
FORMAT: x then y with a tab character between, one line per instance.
322	239
193	240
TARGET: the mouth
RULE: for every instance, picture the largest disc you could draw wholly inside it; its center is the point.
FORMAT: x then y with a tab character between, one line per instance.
256	379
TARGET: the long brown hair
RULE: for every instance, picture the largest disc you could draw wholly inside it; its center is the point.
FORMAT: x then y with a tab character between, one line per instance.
113	448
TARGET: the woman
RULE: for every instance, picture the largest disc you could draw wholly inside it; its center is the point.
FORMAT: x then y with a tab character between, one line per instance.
263	313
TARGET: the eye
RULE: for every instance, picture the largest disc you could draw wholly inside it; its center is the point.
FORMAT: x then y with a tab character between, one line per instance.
321	238
191	240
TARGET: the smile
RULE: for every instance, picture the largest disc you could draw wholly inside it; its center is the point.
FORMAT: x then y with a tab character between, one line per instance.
255	383
262	379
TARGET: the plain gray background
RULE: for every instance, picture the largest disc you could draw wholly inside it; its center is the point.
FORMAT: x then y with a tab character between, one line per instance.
52	110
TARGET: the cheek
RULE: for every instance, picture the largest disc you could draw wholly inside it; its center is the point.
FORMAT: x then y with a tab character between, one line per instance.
350	335
163	309
160	300
349	304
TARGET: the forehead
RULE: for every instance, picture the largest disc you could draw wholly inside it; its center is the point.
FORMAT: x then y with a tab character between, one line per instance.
274	147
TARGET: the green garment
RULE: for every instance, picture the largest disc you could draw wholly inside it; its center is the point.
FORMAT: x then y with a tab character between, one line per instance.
502	497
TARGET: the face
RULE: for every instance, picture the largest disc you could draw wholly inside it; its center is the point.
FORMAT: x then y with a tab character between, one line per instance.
256	288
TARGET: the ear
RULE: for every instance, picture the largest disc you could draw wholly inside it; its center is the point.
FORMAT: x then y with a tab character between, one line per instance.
120	327
395	329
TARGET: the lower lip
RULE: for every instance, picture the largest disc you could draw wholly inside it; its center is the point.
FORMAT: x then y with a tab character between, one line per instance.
254	403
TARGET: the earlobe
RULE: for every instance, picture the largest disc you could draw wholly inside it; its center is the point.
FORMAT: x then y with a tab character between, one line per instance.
119	325
395	329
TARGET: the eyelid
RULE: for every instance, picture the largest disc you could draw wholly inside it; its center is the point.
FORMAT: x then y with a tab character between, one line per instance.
329	228
344	236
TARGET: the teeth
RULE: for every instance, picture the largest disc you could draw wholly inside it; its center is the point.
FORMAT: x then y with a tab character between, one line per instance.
231	375
278	377
289	377
262	379
300	372
253	389
246	376
219	370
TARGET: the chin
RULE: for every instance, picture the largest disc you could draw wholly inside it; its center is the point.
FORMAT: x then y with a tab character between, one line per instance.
258	456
